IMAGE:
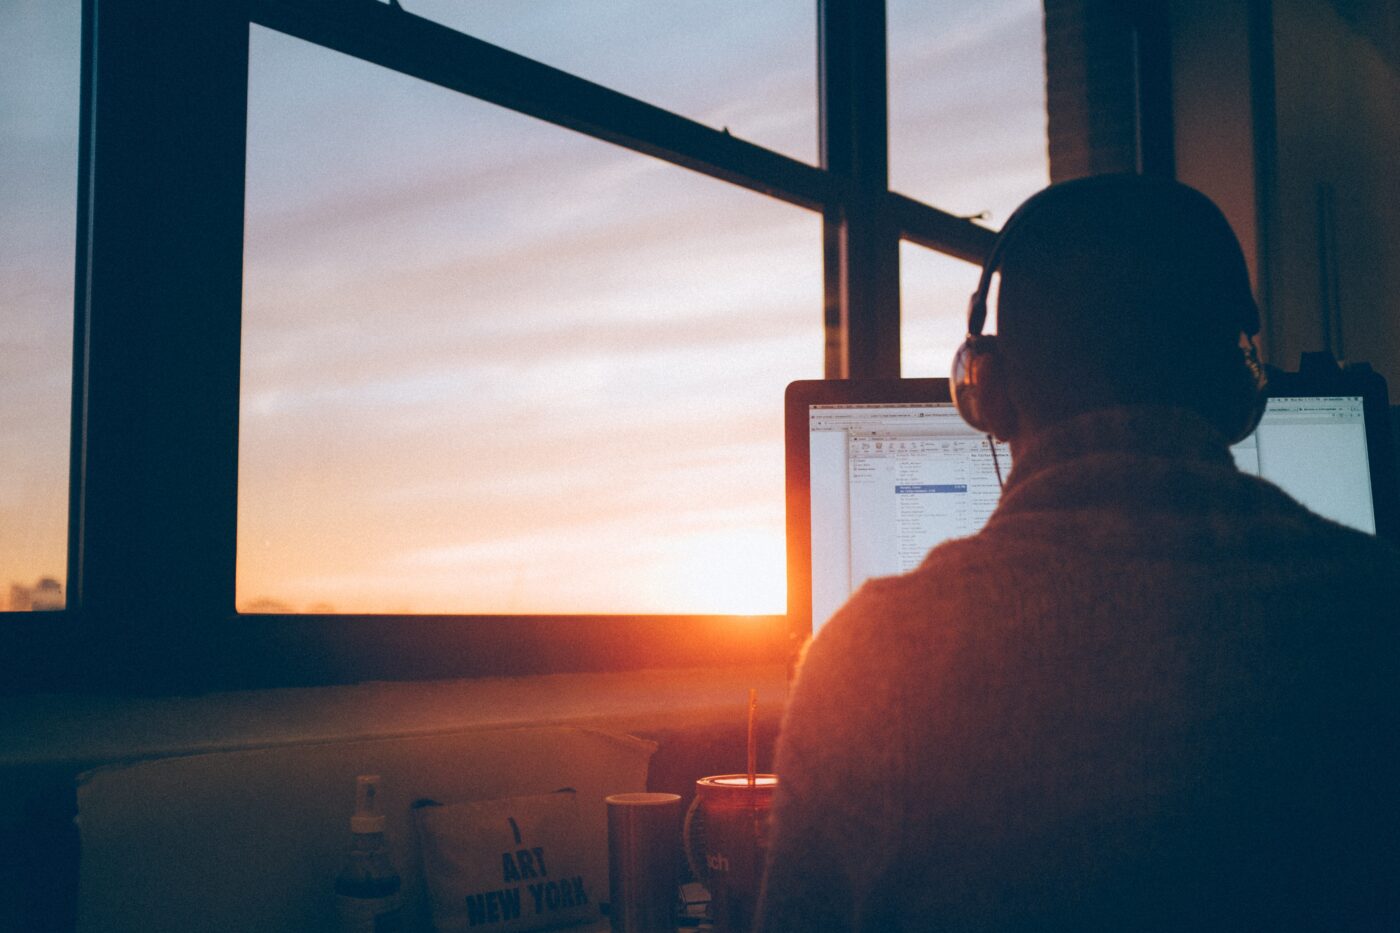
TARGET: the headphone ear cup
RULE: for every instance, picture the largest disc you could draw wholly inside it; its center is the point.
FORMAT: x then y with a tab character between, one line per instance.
1253	397
978	390
962	385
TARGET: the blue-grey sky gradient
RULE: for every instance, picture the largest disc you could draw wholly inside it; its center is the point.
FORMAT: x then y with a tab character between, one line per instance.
490	365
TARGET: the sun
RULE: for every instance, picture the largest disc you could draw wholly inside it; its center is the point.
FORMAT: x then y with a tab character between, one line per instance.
728	572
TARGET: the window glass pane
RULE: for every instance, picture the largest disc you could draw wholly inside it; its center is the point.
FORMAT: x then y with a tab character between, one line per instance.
933	293
39	79
750	67
967	103
490	365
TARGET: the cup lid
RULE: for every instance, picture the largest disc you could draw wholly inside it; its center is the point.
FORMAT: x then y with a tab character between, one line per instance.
729	783
642	799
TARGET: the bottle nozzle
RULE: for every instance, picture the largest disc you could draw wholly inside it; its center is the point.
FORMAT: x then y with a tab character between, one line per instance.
367	818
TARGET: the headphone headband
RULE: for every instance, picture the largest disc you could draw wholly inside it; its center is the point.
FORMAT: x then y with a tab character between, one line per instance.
976	379
977	304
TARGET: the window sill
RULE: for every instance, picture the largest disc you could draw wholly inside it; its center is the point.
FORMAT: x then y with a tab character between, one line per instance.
83	731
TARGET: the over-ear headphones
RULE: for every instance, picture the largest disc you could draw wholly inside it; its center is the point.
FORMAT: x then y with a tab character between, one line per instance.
977	381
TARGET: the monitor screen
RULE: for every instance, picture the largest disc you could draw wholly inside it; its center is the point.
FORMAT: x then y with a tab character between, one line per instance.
1315	449
893	471
888	482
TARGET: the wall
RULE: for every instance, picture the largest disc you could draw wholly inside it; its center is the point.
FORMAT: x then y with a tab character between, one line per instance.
1213	102
1287	113
1335	257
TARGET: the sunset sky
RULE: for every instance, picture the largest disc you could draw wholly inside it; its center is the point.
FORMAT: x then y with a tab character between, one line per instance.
490	365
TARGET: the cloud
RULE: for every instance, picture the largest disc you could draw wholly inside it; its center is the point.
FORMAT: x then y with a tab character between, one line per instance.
568	356
967	104
479	348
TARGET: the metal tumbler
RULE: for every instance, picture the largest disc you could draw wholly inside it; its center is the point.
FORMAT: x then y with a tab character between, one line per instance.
643	850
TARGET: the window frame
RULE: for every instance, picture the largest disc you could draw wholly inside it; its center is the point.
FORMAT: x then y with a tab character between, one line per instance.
157	324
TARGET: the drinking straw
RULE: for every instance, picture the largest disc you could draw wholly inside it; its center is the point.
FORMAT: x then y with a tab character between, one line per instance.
753	748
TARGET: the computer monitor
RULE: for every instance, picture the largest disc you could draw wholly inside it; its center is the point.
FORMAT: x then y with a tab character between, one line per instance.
879	472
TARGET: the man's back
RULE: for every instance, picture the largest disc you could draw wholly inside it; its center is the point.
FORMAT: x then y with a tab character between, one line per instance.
1153	693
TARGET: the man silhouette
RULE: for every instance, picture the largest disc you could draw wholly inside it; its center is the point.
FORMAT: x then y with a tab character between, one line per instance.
1153	693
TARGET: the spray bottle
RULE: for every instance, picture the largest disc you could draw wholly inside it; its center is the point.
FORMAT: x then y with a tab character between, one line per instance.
367	888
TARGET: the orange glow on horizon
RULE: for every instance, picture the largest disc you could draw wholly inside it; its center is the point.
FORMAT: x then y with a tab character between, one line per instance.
738	572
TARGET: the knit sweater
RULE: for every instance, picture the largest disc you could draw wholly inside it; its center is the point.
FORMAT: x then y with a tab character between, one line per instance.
1152	693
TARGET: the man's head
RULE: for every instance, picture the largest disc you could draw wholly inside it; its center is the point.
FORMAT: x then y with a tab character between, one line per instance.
1115	290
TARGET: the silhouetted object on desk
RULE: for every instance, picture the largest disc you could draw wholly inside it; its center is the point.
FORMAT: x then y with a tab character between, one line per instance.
643	855
726	836
1154	692
367	892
